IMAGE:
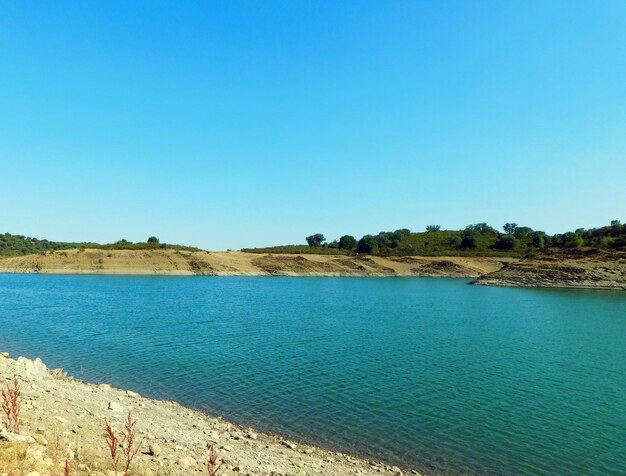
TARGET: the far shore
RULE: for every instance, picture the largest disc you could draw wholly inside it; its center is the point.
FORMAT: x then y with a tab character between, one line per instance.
236	263
555	269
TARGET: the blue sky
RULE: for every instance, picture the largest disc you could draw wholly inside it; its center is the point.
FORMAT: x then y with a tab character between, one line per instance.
232	124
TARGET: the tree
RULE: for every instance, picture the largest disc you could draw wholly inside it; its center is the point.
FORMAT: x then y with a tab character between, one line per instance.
522	232
481	228
509	228
316	240
433	228
368	244
153	239
347	242
615	223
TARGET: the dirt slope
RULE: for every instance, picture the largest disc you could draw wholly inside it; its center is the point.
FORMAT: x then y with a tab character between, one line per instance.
170	262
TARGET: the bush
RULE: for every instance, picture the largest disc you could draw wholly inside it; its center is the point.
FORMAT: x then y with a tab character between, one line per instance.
469	243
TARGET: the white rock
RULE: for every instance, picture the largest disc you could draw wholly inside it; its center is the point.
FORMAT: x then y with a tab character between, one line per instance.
32	368
115	407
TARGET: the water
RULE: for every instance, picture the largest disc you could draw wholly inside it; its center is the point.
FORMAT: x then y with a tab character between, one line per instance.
432	374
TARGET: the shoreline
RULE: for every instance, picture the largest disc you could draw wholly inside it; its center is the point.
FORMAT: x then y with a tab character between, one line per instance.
568	270
174	436
237	263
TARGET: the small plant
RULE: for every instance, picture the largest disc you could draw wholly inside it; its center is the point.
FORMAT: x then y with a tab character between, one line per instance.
11	405
112	443
67	468
212	465
130	448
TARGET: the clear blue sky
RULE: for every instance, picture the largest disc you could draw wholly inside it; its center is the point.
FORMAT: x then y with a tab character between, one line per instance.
230	124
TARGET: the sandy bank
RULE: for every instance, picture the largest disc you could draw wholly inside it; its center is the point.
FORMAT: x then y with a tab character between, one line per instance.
171	262
174	437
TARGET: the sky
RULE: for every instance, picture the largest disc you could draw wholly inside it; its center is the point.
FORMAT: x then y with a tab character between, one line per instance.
230	124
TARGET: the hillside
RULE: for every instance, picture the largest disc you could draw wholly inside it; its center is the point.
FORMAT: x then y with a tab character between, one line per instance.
181	262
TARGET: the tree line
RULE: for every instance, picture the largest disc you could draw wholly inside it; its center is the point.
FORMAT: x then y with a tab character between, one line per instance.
478	238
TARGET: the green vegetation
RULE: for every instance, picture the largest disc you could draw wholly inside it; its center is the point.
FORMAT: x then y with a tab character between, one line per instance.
478	239
19	245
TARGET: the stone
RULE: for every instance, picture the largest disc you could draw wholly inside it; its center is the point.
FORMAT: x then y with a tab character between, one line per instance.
186	462
32	368
15	438
115	407
154	449
131	394
40	439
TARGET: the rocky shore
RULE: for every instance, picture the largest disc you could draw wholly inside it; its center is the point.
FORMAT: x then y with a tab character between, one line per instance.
63	419
576	269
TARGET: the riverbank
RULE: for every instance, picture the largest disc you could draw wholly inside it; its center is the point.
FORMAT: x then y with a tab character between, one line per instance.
576	269
63	419
236	263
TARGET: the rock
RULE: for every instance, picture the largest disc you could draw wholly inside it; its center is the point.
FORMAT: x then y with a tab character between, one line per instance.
131	394
186	462
6	355
15	438
62	420
289	445
59	373
252	435
40	439
32	368
115	407
226	448
154	449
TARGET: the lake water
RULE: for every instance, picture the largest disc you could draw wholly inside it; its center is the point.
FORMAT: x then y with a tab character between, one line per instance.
431	374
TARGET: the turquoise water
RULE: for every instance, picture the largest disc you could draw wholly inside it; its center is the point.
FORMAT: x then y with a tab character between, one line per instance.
428	373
